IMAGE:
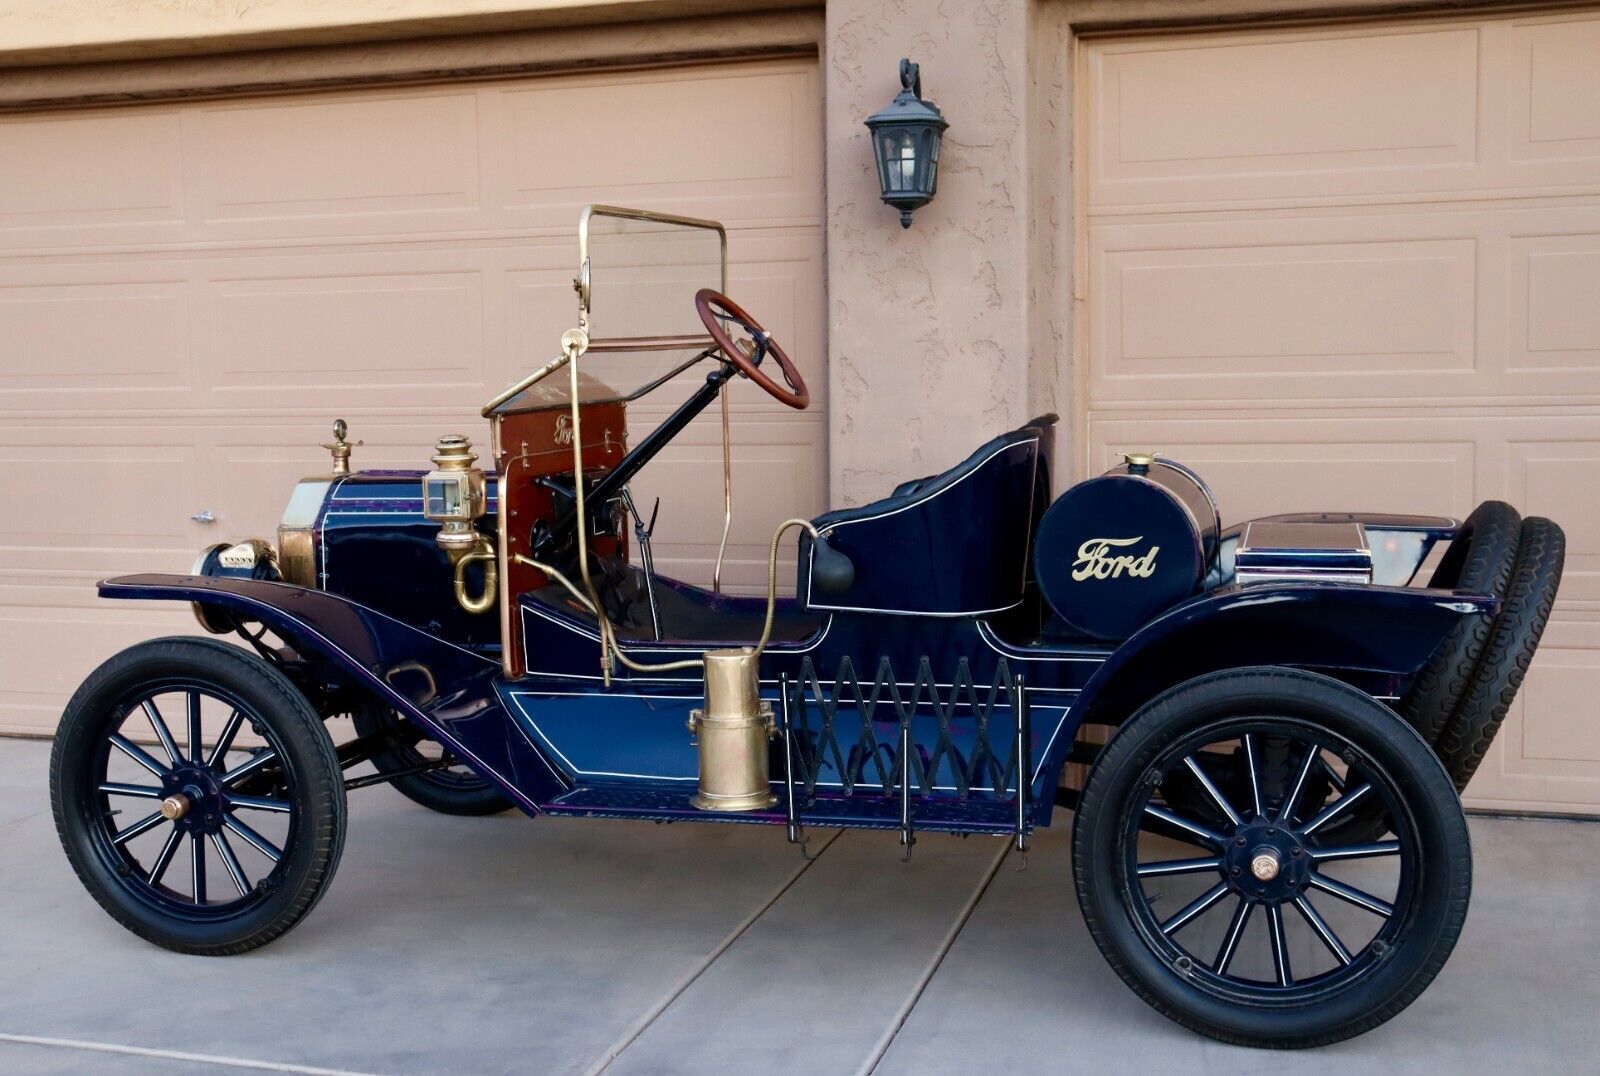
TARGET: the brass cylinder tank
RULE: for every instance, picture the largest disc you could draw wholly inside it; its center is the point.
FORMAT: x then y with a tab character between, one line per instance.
732	733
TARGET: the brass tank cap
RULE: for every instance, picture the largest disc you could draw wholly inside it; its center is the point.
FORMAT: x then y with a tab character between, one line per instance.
1138	462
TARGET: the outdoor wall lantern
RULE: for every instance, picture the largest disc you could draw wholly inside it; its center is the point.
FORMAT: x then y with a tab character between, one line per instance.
905	141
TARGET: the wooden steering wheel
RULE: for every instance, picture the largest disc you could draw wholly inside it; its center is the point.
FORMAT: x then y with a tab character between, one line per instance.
714	309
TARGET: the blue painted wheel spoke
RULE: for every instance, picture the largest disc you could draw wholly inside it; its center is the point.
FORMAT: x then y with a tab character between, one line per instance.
1351	895
1213	791
1337	807
230	862
1195	829
164	859
225	741
197	865
1257	807
1280	945
1230	940
1356	851
252	838
1323	930
144	825
195	753
245	769
1166	867
259	803
1332	774
1195	908
138	754
1292	800
117	788
159	727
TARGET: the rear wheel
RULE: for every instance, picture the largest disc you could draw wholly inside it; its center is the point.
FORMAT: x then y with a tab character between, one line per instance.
197	795
449	789
1238	915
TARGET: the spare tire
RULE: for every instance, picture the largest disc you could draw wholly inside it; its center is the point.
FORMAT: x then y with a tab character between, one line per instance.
1478	560
1465	738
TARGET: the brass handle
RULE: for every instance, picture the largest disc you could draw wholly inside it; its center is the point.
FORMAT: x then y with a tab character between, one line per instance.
491	581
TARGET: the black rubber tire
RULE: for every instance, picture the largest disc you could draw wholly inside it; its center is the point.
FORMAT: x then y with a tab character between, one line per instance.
1443	886
303	875
446	791
1478	560
1501	667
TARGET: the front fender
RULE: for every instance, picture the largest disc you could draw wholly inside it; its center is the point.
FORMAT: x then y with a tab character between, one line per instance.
447	690
1374	637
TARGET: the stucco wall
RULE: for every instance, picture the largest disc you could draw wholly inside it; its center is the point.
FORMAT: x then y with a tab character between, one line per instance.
929	329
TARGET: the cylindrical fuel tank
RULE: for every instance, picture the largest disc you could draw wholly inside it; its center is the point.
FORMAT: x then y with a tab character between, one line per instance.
1116	550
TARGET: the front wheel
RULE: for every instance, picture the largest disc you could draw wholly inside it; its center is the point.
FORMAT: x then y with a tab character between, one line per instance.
197	795
1241	914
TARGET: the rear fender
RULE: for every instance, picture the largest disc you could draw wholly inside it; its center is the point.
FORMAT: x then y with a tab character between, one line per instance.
1374	638
447	690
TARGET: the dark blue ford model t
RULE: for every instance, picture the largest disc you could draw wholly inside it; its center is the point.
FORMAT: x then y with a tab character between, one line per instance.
1274	717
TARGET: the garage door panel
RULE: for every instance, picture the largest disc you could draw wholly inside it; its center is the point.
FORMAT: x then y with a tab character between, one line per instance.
1318	312
1554	320
739	142
1343	114
337	156
1482	302
61	339
1249	115
94	501
1555	100
1549	731
267	336
47	653
54	190
1561	480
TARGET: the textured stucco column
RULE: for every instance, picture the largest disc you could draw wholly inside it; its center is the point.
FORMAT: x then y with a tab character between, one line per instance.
929	328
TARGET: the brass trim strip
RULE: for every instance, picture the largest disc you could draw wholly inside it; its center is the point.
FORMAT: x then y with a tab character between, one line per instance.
686	342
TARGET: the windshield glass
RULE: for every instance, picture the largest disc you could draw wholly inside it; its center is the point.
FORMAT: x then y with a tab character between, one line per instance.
637	277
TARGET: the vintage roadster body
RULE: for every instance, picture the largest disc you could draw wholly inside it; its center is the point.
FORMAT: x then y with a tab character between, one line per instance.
1283	701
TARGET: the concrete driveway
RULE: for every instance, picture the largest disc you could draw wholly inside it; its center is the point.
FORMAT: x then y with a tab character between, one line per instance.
503	945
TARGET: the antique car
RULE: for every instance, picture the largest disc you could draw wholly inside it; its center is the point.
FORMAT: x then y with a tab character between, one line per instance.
1261	729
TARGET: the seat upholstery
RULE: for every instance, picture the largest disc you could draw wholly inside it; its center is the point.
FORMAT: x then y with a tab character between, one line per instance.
952	544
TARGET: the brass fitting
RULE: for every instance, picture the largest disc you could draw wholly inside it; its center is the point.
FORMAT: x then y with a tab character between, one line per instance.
484	552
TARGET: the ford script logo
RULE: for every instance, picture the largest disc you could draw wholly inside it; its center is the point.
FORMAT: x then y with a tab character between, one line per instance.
1096	561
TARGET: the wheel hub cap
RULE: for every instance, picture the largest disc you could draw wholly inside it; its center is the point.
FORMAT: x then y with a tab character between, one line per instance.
1266	860
175	807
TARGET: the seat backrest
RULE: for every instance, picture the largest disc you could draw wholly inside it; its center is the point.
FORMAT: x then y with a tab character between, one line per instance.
953	544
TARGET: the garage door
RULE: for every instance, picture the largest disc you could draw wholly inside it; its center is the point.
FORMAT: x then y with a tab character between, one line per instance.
1359	267
189	294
